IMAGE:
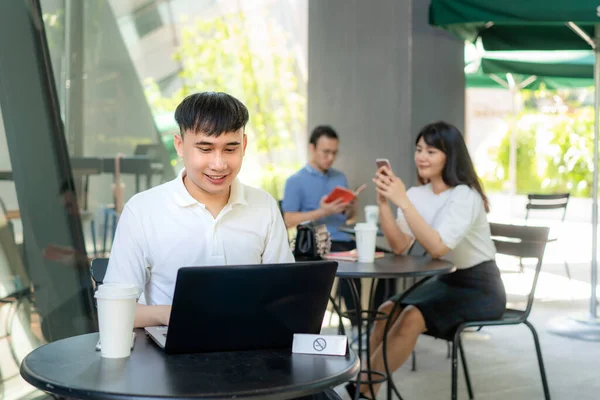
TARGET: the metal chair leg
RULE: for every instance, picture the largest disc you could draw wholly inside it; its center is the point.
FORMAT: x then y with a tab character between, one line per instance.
538	350
455	366
465	369
414	361
114	228
93	229
104	232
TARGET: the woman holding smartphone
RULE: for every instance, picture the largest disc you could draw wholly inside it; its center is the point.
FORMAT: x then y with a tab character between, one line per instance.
446	214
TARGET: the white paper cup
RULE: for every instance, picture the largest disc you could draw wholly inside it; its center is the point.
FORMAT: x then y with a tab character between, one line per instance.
366	235
116	311
372	214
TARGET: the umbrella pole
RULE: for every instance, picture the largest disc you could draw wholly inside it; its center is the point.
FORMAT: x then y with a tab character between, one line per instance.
512	158
512	154
594	280
587	326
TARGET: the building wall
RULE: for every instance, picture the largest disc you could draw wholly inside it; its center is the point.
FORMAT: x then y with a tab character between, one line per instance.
377	73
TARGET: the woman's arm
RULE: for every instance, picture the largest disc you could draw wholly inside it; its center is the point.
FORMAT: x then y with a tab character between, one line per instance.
398	240
428	237
392	188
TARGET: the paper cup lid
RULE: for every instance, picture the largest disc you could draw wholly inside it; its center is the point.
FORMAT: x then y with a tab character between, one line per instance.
116	291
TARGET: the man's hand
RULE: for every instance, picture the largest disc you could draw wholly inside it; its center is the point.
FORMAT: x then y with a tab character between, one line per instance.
151	315
335	207
350	209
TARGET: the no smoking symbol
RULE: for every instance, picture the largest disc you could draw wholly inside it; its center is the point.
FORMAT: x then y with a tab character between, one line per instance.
319	344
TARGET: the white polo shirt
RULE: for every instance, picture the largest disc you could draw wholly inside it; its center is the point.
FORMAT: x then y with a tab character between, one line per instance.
165	228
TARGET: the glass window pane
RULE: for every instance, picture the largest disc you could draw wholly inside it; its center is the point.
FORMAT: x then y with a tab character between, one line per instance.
118	69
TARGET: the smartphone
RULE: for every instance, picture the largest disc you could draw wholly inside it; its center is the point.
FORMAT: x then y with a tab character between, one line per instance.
383	162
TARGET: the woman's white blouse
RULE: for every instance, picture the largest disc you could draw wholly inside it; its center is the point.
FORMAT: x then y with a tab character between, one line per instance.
459	217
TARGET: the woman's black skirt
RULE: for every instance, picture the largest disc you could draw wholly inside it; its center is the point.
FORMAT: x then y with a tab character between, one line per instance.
472	294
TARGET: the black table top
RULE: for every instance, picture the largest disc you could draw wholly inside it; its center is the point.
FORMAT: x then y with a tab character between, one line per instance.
392	266
72	368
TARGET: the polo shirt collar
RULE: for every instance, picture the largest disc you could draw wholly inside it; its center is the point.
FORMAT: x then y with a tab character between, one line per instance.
315	171
183	198
237	194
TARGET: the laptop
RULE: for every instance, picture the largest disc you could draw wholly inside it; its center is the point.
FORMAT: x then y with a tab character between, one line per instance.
245	307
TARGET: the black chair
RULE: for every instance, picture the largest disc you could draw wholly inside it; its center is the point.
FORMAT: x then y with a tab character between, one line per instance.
517	241
98	269
557	202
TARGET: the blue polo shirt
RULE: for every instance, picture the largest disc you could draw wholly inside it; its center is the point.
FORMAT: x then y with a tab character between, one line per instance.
304	190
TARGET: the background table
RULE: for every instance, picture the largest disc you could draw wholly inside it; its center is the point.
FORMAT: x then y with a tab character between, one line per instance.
393	266
72	368
390	266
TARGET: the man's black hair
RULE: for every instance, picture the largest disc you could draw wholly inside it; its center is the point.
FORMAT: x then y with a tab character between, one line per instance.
211	113
322	130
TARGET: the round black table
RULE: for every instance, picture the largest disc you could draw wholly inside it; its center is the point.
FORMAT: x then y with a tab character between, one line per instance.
390	266
72	368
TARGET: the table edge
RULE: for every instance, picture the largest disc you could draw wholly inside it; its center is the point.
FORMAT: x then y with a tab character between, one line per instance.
315	387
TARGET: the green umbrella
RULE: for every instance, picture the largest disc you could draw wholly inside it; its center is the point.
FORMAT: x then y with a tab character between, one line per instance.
537	25
518	25
563	64
480	79
554	69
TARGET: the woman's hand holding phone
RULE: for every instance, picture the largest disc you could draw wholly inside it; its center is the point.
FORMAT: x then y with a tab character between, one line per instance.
388	185
383	162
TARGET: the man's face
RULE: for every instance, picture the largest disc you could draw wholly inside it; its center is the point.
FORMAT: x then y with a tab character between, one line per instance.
324	152
211	162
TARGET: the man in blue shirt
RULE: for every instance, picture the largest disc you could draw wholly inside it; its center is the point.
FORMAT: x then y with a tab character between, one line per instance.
305	191
304	195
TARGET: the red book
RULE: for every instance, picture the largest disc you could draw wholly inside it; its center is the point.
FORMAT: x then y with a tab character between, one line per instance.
340	192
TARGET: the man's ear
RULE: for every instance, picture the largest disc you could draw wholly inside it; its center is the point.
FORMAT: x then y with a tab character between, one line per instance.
178	142
244	143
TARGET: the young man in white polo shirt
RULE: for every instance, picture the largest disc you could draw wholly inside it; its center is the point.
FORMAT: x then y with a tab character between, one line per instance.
205	216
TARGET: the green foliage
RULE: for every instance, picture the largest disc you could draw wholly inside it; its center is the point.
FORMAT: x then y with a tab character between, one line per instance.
554	153
216	55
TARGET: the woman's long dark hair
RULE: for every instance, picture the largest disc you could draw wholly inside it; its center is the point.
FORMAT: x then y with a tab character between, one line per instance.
458	169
